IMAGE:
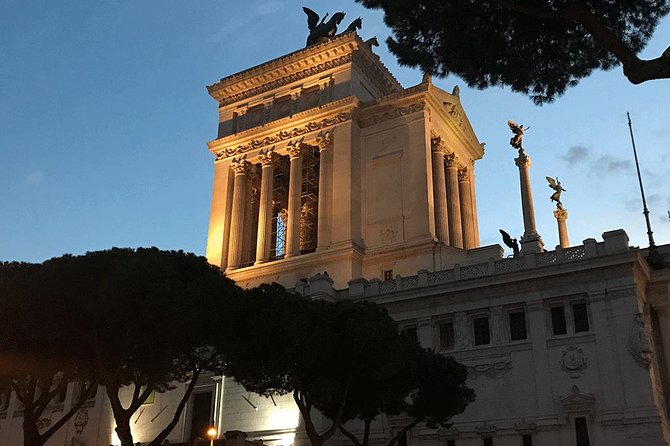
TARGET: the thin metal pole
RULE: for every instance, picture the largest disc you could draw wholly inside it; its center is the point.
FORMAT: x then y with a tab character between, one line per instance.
653	253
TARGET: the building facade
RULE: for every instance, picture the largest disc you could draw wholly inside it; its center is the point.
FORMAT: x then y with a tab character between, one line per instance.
334	180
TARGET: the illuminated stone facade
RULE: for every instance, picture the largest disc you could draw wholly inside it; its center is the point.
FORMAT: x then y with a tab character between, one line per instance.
332	179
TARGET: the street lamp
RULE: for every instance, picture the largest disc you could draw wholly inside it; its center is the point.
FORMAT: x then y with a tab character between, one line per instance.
211	433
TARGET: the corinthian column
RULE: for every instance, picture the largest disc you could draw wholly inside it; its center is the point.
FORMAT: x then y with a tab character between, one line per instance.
454	202
265	207
440	190
531	240
467	214
325	142
561	216
240	167
294	195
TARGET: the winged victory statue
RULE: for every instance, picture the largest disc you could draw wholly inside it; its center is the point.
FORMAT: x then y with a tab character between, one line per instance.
510	242
556	196
321	30
517	140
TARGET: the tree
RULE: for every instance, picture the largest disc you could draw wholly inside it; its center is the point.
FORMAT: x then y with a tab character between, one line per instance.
314	349
421	384
37	358
155	318
345	359
538	48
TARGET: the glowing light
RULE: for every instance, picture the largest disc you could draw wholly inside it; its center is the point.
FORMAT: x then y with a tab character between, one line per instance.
212	432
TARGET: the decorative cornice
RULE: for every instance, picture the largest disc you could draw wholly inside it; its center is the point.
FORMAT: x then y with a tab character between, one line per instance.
393	113
303	63
262	88
283	135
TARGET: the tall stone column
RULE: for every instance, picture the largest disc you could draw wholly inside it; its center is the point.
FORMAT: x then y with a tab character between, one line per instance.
324	217
473	194
263	242
467	217
531	240
440	190
454	202
294	198
240	167
561	216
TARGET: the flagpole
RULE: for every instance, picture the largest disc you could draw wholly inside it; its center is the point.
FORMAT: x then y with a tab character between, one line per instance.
654	259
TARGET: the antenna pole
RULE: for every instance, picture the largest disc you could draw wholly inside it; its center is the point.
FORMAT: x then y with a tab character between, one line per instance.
654	258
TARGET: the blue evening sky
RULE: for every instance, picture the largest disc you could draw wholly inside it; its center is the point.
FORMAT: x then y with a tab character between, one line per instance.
104	118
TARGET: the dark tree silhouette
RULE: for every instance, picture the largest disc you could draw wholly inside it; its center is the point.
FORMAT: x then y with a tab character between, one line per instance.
538	48
420	384
155	320
42	348
345	359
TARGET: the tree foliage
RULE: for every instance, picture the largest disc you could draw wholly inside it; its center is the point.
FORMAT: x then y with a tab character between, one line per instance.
345	359
538	48
37	359
140	321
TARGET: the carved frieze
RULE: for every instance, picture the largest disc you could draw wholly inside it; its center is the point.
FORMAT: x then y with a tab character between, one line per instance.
282	136
393	113
490	370
639	342
573	361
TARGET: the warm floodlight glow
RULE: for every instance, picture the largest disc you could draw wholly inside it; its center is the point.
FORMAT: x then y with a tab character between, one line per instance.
211	432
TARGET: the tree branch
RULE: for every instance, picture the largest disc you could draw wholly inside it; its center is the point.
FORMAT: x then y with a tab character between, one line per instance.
402	431
349	435
84	395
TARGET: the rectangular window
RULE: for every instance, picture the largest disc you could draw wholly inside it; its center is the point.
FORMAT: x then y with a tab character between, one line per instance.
580	317
582	432
447	336
517	326
527	440
451	442
388	274
488	441
558	320
482	332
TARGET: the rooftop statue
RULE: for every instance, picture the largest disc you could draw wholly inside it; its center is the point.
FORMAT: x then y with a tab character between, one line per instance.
322	31
510	242
518	130
556	196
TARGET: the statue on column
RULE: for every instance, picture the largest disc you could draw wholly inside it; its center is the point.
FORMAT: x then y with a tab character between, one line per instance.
556	196
517	140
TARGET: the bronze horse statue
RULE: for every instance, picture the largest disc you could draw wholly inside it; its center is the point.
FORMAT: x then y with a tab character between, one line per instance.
321	31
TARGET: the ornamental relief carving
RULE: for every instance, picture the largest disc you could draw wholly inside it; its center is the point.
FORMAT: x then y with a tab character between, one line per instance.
490	370
282	136
392	114
639	341
573	361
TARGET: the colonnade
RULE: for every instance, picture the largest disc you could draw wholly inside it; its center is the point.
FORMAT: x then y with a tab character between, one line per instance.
455	213
242	206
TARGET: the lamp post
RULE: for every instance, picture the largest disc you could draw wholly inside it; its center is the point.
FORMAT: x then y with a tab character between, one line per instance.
211	433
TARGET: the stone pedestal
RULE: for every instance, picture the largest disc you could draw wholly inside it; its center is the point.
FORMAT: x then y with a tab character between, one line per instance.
531	242
561	216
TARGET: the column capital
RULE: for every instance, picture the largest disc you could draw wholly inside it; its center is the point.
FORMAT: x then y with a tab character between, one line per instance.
324	139
437	145
523	161
463	174
267	157
294	148
561	214
241	110
452	161
240	165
